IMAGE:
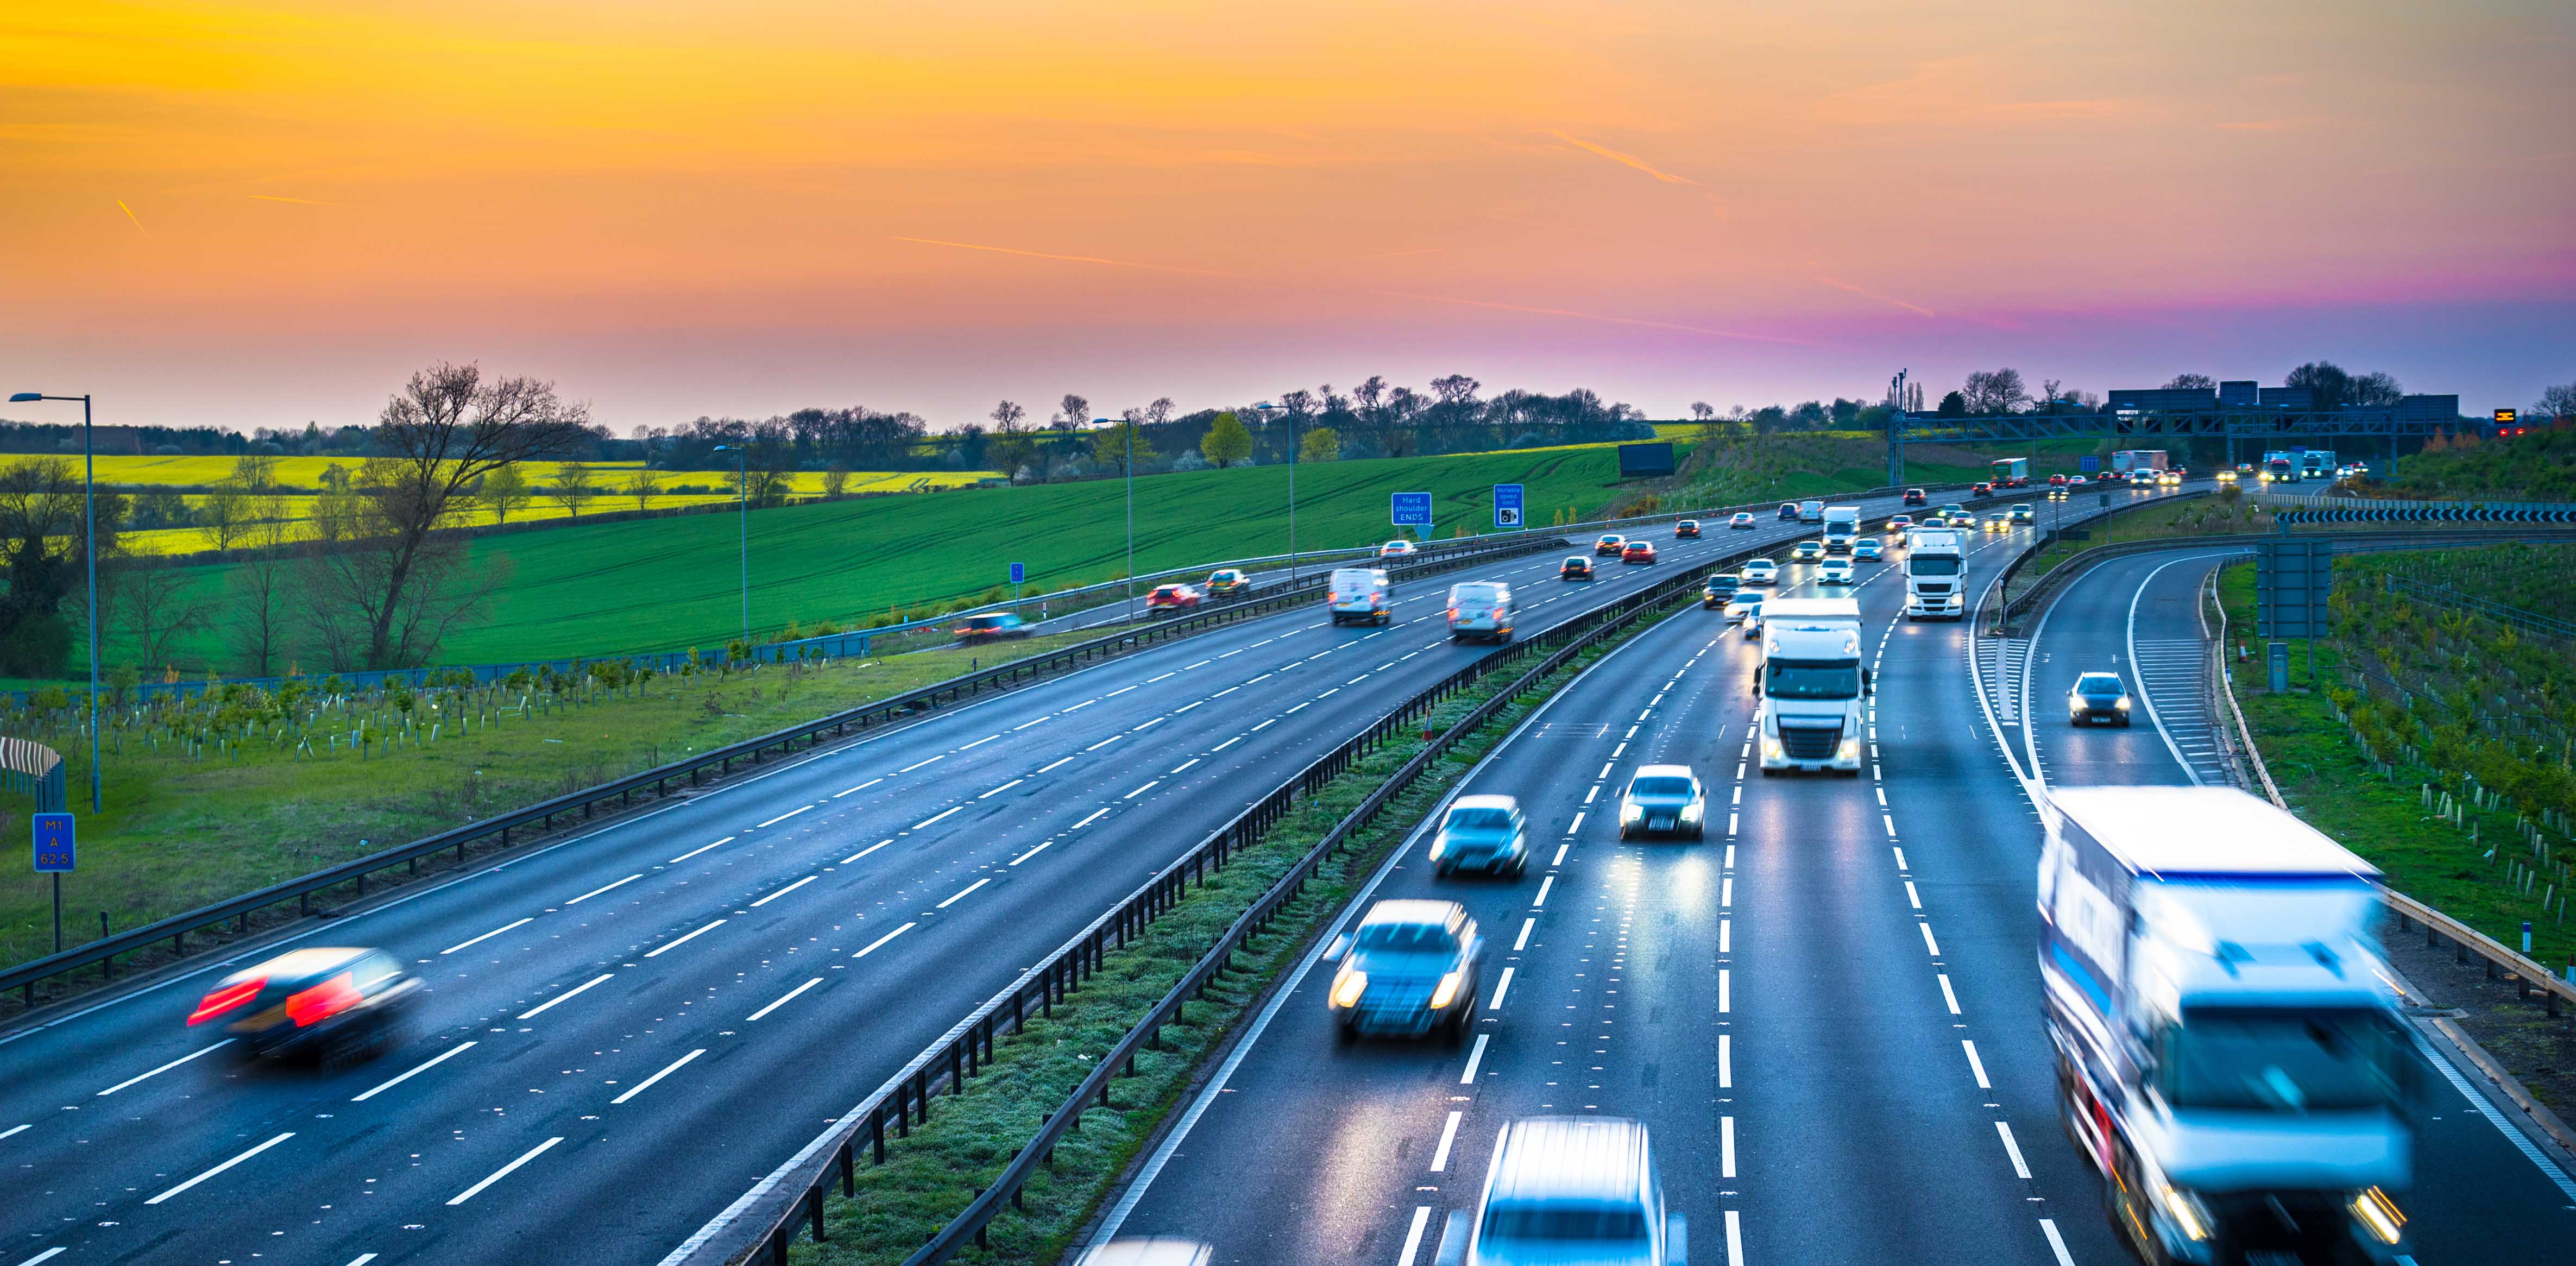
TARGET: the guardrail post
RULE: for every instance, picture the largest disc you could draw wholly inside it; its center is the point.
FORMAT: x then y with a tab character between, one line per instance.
876	1128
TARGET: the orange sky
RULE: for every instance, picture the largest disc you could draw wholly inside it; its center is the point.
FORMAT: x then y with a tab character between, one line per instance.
247	213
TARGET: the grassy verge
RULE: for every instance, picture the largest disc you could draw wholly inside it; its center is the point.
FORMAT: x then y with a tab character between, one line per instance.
190	820
971	1136
2324	777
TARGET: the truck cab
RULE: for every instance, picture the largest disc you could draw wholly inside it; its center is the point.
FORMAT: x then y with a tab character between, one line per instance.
1936	580
1811	682
2227	1055
1842	527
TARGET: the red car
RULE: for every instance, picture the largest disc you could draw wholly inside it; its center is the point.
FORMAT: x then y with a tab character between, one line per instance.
1638	552
2057	481
1172	598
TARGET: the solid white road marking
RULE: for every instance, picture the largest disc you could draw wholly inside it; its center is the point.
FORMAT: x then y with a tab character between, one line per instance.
961	893
1474	1057
2004	1129
488	935
504	1171
541	1008
166	1067
602	888
435	1060
872	945
783	999
685	939
221	1168
1448	1135
784	891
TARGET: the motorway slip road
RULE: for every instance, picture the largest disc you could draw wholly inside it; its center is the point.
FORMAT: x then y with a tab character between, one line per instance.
1826	1012
627	1029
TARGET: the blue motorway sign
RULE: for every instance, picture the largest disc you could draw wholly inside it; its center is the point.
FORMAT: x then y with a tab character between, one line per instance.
55	848
1507	505
1019	572
1410	509
2088	462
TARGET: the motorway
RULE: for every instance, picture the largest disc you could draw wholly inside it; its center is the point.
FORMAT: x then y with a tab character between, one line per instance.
630	1027
1827	1013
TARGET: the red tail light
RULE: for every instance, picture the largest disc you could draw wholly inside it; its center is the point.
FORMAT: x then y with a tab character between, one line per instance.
227	998
322	1001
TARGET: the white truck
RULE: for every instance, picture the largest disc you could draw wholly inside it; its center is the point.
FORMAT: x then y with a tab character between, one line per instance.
1936	574
1842	527
2129	461
2317	463
1811	682
1811	512
2227	1054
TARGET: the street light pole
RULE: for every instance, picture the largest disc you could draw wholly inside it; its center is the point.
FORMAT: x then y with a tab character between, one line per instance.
742	491
89	512
1292	486
1130	425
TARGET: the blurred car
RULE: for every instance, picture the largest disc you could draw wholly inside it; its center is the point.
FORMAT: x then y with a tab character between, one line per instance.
1481	609
1687	528
1999	521
1397	549
1565	1190
1359	594
1915	497
1981	490
2057	494
2058	481
2181	473
1897	523
2226	476
1608	545
1719	590
1228	582
2170	479
2022	513
2098	697
1172	599
1152	1251
1834	571
2075	481
1662	800
333	1005
1789	510
1869	549
1759	571
1952	510
1741	521
1411	967
1577	567
1745	608
1637	551
2244	468
1806	551
1487	833
976	629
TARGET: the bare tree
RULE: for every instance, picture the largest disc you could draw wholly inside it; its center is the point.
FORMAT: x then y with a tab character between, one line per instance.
2192	382
1371	396
642	487
2376	389
2558	404
1074	414
256	473
836	481
1995	391
504	491
1702	411
261	587
381	569
157	607
1456	389
1160	411
224	515
572	487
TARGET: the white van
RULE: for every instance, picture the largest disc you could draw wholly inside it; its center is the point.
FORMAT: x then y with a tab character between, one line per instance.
1568	1189
1481	608
1358	595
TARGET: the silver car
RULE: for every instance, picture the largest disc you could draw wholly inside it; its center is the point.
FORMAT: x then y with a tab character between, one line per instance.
1483	833
1569	1190
1662	800
1410	968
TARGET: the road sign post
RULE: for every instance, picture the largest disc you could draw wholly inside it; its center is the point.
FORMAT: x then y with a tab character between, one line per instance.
57	851
1019	572
2293	577
1411	509
1507	506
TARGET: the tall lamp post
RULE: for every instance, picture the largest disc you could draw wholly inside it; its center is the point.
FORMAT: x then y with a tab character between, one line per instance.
1131	511
89	510
742	490
1268	408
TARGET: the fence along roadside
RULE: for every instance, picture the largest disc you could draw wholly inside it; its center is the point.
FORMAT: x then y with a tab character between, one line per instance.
657	781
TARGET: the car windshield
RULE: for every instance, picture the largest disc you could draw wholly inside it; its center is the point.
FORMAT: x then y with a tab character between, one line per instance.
1404	947
2097	684
1813	679
1476	593
985	621
1479	820
2283	1062
1577	564
1935	566
1597	1223
1660	786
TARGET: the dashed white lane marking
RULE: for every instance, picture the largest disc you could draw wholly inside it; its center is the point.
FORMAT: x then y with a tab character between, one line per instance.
863	786
1448	1135
937	816
961	893
1104	742
166	1067
1928	942
547	1005
1474	1057
56	1251
1946	995
783	1000
1026	724
222	1167
1735	1240
2056	1244
1518	944
603	888
1560	855
1042	847
1096	815
504	1171
2004	1130
784	891
488	935
1725	1062
880	941
1413	1236
685	939
1725	991
1543	886
1912	898
1142	790
942	756
1575	825
1976	1065
639	1088
1502	984
865	851
1119	691
430	1063
15	1129
1726	1147
999	790
1226	744
362	1259
704	847
979	742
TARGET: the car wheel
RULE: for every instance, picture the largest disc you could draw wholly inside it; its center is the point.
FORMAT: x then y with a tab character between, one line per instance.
1344	1035
2124	723
1457	1035
1769	772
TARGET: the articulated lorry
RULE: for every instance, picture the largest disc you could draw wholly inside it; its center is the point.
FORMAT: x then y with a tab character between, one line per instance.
2012	472
1842	527
2282	466
2130	461
2227	1054
1936	574
1811	682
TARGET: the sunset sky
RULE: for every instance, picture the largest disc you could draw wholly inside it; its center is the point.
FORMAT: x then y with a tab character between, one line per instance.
262	213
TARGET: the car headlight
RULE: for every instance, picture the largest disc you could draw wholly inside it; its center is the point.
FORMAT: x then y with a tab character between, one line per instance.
1630	811
1447	992
1691	811
2190	1216
1348	988
2122	704
2379	1213
1439	845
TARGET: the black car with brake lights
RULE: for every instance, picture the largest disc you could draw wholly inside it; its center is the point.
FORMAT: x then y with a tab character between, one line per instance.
1576	568
333	1005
